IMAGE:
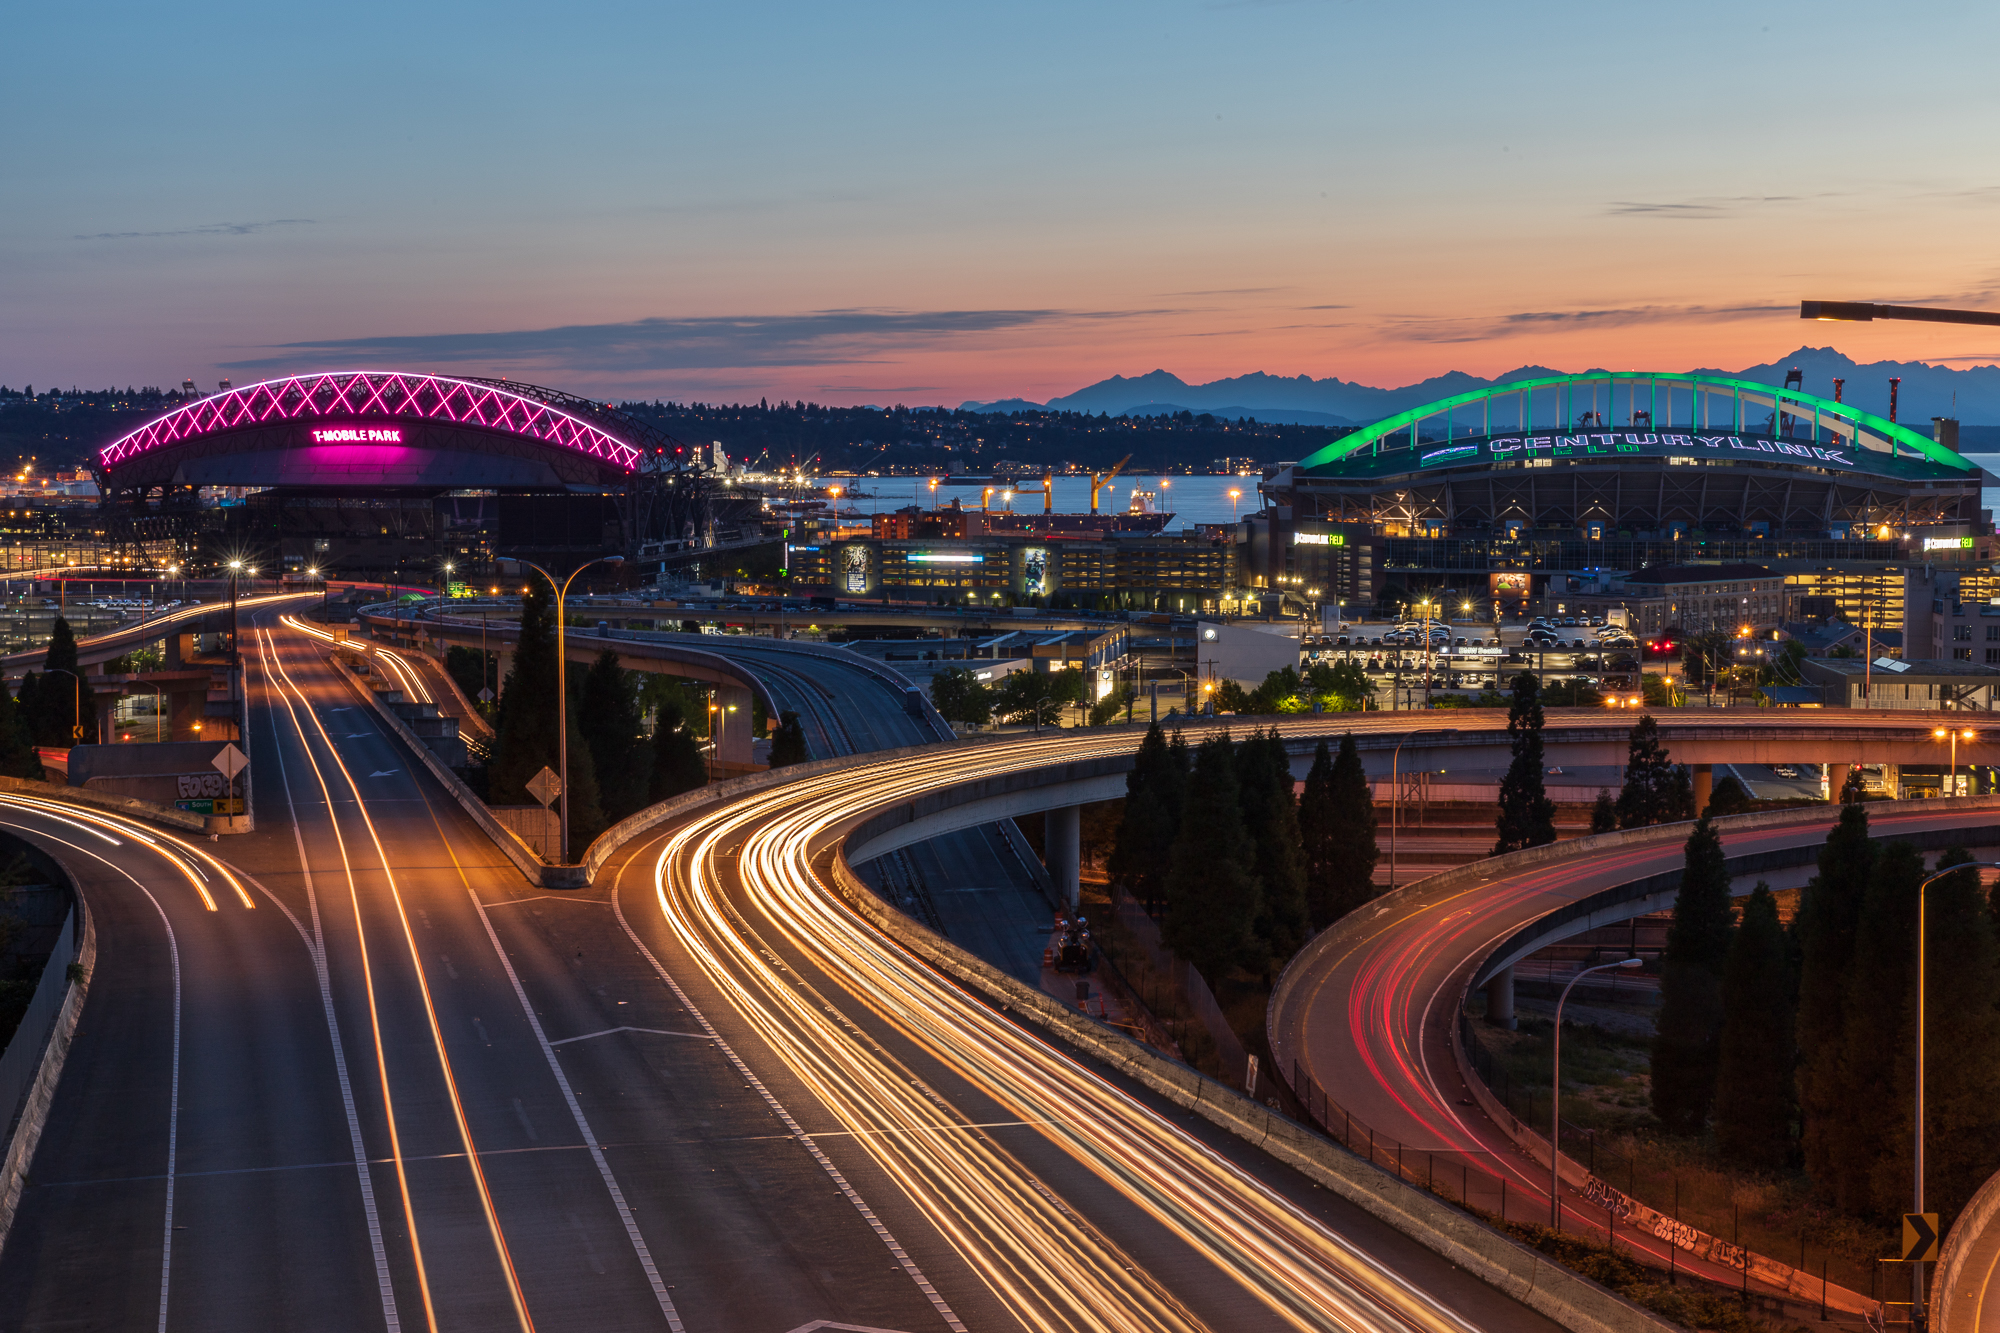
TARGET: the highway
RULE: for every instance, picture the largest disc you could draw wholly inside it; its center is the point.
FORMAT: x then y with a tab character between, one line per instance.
1369	1012
385	1082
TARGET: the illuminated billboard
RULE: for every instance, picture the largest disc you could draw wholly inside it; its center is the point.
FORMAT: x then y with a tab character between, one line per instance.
1510	583
357	435
855	560
1035	570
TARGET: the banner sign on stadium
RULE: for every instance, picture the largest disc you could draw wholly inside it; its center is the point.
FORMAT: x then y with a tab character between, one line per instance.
1611	444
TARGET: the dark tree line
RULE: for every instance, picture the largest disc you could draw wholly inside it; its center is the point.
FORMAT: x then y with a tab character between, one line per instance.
1797	1047
1243	871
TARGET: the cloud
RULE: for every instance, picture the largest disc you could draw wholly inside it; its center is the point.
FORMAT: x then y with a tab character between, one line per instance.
817	338
1533	321
1326	307
211	229
1703	210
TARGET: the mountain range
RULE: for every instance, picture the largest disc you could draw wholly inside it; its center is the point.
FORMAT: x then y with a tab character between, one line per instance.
1972	394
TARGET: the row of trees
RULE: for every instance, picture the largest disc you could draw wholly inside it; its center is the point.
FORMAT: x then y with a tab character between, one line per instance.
1655	790
1798	1046
1244	871
1040	697
615	767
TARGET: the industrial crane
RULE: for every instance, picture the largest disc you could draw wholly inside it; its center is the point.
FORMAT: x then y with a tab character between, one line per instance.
1098	480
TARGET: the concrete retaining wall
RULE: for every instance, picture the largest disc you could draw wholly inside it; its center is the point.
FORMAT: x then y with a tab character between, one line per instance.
26	1131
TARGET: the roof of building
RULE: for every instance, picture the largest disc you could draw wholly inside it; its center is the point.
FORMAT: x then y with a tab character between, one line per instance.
1895	670
1668	574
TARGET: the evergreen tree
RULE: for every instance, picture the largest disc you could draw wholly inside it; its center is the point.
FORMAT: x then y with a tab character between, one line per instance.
613	730
678	763
1824	932
788	742
1150	821
1755	1102
1962	1053
1880	986
1604	813
1527	815
1271	817
1727	797
1685	1046
1212	892
1337	826
528	727
1854	790
527	735
17	753
1656	790
61	702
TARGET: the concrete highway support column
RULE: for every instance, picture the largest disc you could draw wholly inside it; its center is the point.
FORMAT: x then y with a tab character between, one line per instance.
1500	999
1704	784
734	728
1836	780
1062	840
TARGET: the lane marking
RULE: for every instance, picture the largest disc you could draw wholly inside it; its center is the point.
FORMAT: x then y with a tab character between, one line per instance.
640	1249
368	987
777	1107
661	1032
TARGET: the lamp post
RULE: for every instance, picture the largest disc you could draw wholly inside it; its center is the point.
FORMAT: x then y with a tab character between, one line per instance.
1555	1100
1917	1269
1951	778
1396	787
76	730
561	591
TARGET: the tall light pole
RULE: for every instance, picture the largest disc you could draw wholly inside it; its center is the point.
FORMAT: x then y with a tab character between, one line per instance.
76	731
1396	787
1917	1269
1951	779
1555	1101
561	591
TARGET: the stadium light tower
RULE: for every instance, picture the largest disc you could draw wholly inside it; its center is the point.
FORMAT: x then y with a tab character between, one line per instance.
1866	311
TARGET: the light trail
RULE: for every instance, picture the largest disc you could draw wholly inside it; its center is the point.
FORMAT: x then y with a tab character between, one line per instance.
412	679
1048	1266
274	668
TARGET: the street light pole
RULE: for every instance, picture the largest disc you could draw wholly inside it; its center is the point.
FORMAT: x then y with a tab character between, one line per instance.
1951	778
1396	787
1555	1100
561	591
1917	1269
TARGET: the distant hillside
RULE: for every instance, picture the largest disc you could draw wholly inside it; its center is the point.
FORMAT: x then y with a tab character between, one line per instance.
1972	394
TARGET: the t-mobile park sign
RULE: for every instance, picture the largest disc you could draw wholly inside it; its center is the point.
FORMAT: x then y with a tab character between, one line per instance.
357	435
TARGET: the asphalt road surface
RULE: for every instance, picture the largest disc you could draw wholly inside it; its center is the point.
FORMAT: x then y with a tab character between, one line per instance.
370	1077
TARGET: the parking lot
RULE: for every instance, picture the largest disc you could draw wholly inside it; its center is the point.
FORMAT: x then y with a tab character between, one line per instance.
1468	656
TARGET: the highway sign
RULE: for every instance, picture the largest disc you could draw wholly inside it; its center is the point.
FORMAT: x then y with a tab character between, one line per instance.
1920	1237
485	695
545	786
230	762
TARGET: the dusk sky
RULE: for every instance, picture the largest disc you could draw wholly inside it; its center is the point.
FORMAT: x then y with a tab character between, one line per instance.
930	203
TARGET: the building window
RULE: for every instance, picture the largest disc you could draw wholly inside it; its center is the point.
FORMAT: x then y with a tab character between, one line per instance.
1993	655
1961	654
1993	634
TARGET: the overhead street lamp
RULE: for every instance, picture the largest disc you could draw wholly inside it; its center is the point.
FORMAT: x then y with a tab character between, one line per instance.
1867	311
561	591
1952	734
1396	787
1555	1101
1917	1269
76	730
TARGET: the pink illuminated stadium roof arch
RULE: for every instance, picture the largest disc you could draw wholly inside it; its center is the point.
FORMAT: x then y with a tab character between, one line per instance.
374	395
